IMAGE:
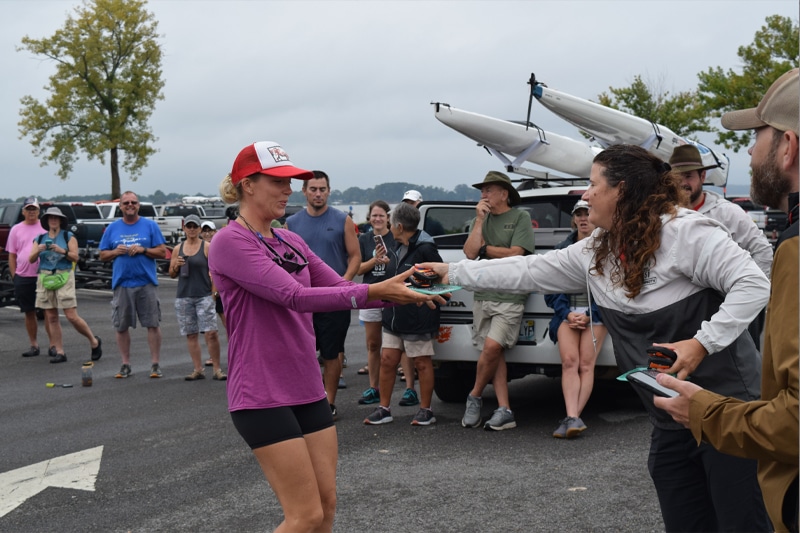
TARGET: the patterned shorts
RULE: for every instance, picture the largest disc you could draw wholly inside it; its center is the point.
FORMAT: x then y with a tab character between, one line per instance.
196	315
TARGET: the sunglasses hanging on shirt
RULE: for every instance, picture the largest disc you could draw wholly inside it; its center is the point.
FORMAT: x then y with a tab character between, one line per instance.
286	261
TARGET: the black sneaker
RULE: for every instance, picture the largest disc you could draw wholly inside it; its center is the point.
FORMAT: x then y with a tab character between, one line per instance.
52	352
59	358
333	412
32	352
424	417
380	415
97	353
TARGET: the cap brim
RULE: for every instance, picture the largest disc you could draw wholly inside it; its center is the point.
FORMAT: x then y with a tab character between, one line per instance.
743	119
288	172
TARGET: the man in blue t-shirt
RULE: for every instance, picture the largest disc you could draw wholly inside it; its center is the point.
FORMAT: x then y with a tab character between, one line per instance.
134	243
330	234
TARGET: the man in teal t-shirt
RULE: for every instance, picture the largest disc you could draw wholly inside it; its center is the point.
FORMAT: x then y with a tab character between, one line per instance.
498	230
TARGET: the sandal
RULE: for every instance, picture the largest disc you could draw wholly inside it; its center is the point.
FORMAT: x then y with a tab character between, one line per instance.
364	370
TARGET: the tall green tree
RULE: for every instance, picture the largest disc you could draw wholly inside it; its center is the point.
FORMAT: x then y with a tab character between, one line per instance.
107	81
774	51
681	112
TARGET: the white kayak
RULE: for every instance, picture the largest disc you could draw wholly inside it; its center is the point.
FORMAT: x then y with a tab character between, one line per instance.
505	138
610	126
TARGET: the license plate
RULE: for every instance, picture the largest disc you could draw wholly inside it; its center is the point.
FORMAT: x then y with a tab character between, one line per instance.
527	329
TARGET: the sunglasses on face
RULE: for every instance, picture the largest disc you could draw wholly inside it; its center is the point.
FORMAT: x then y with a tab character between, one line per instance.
191	226
130	203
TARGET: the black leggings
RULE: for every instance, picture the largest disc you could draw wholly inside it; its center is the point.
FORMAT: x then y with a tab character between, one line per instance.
262	427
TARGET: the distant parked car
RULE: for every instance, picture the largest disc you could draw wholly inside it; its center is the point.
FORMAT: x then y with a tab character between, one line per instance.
757	212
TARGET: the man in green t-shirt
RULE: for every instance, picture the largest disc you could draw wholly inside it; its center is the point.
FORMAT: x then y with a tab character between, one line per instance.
498	230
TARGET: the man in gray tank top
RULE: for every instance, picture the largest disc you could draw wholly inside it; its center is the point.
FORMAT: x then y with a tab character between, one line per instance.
330	234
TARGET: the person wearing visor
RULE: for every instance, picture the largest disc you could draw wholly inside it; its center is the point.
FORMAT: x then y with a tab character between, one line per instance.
207	230
270	283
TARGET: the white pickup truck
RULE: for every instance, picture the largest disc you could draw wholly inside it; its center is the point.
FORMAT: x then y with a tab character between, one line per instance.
455	357
170	218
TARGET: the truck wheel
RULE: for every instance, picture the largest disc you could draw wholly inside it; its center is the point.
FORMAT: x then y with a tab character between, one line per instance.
453	382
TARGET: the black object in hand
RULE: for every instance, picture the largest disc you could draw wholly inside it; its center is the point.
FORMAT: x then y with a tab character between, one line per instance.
661	358
423	278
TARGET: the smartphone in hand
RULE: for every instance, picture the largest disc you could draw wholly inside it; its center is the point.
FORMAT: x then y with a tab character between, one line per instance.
647	380
379	242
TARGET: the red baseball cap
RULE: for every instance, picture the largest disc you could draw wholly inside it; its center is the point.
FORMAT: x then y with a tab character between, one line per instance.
266	157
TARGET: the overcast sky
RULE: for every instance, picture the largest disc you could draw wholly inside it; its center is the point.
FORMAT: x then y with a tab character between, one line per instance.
346	86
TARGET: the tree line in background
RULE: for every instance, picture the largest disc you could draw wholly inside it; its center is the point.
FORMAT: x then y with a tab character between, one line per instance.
389	192
775	49
108	79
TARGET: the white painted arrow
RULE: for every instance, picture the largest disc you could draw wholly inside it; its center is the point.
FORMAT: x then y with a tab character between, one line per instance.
72	471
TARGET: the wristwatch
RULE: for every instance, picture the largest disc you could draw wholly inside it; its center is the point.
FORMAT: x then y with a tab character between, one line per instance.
482	252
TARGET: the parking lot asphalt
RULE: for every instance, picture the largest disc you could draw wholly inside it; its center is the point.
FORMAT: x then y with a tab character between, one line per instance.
167	458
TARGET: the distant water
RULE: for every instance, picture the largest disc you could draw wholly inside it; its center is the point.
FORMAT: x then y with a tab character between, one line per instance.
359	211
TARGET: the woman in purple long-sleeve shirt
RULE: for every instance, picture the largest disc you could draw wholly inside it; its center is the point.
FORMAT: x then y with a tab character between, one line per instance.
270	282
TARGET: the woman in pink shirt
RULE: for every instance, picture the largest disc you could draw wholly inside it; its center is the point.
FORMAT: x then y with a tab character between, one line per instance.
270	282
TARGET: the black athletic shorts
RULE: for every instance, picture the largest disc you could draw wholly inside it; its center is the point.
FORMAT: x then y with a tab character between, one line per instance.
25	292
262	427
331	332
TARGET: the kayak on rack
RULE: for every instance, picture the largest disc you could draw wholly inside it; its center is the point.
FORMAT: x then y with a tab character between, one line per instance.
610	126
508	139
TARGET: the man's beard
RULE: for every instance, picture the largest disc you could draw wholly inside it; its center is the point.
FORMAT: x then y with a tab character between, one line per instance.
768	186
694	196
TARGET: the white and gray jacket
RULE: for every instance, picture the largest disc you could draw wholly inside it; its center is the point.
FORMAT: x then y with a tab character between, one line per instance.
701	285
741	227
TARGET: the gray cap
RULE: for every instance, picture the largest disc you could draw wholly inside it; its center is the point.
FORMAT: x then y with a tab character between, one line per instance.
194	219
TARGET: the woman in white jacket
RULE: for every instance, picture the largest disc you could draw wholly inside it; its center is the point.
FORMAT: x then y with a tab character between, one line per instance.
660	274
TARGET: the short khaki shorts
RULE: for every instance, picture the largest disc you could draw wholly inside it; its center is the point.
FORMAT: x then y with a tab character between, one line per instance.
63	298
498	321
419	347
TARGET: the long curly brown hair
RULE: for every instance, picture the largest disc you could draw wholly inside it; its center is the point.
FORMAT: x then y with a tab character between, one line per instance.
647	190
